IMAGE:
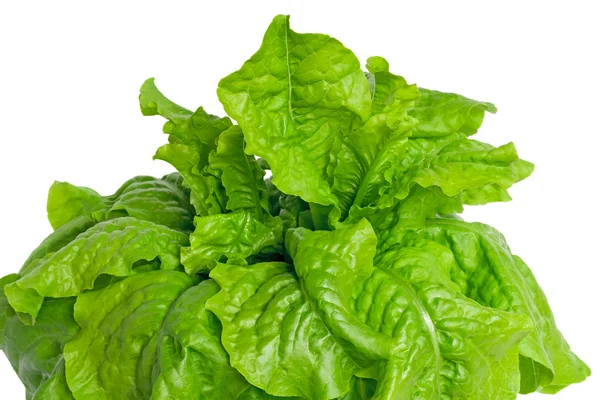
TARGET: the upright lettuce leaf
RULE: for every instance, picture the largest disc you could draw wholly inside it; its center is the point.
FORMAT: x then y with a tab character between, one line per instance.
440	175
192	137
369	156
440	114
163	201
110	248
248	229
295	99
240	174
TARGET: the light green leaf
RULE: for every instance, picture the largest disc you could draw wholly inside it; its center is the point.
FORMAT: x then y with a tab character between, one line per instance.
109	248
193	363
206	189
492	276
369	157
149	336
198	129
461	165
36	352
163	201
193	136
114	355
234	236
295	99
59	239
240	174
441	114
276	335
306	332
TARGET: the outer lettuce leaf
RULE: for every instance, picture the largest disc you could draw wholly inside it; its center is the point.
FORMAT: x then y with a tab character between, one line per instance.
109	248
149	336
491	275
36	352
193	363
440	114
163	201
403	323
295	99
276	336
59	239
6	310
193	136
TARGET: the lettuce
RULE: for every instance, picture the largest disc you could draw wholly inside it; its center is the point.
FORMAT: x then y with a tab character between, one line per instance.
310	247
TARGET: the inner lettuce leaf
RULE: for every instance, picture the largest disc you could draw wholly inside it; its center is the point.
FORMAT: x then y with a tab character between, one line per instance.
248	230
192	137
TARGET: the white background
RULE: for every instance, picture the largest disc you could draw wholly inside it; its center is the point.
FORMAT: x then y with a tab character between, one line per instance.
70	73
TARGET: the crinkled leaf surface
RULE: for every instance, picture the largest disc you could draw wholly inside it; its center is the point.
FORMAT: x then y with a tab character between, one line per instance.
369	156
6	310
109	248
192	136
163	201
295	99
234	236
488	273
240	174
440	114
151	337
36	352
288	330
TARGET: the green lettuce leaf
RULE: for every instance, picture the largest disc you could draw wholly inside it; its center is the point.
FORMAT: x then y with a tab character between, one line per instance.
234	236
369	156
192	137
206	190
249	230
59	239
441	114
163	201
295	99
6	310
150	337
36	352
240	174
109	248
304	331
440	176
489	273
